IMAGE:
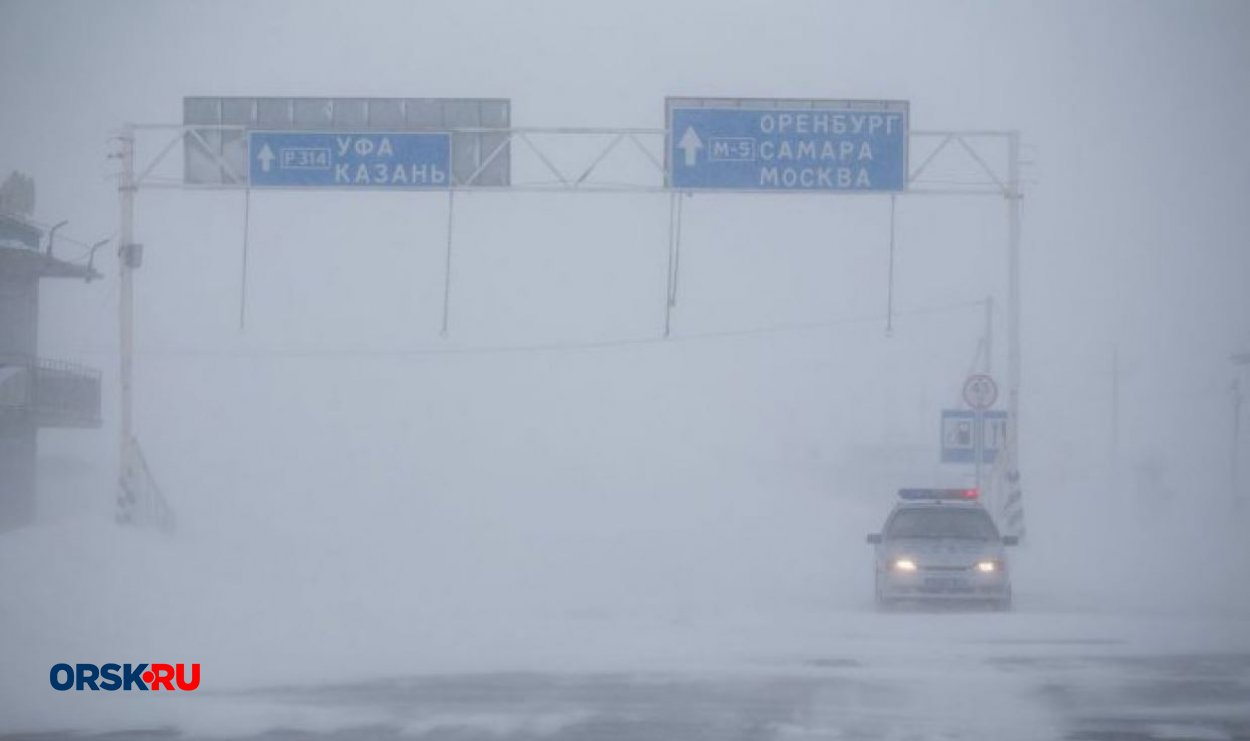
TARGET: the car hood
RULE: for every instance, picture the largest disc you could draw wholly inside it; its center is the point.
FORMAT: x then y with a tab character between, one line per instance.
943	551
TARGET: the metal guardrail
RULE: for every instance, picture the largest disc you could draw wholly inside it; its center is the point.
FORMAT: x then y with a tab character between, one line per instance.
55	392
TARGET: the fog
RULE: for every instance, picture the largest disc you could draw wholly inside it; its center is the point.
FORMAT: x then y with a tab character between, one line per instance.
554	486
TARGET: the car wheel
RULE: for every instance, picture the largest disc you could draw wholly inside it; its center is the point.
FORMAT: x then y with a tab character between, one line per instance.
883	604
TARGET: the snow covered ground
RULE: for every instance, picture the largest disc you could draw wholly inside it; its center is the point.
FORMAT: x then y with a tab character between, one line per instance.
441	617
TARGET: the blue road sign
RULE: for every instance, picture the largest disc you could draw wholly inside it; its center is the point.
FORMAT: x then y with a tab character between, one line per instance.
959	435
304	159
856	148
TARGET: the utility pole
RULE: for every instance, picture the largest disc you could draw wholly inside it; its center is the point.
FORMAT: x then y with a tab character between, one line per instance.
1240	360
139	501
988	367
127	253
125	309
1016	516
1235	478
1013	286
1115	422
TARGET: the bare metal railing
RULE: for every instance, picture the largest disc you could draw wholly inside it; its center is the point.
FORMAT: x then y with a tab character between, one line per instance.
55	393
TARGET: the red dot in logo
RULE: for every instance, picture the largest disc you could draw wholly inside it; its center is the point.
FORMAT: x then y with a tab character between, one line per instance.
148	677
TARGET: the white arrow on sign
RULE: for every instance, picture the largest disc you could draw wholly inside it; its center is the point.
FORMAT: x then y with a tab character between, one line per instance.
691	144
266	158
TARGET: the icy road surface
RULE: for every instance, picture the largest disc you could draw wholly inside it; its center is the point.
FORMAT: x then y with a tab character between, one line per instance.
1075	697
1001	688
487	624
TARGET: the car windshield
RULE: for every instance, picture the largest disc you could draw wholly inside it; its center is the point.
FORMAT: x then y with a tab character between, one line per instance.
942	523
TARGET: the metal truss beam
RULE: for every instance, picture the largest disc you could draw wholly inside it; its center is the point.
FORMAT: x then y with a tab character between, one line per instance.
548	144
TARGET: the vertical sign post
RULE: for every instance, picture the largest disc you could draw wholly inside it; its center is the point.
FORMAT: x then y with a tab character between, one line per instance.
980	392
978	432
126	256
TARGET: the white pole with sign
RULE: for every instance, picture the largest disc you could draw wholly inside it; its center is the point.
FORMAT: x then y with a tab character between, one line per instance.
980	393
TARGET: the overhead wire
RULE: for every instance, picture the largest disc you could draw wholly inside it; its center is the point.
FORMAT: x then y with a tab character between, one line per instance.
548	347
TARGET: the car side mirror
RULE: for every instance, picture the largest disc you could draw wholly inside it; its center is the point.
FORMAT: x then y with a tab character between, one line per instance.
1011	540
874	538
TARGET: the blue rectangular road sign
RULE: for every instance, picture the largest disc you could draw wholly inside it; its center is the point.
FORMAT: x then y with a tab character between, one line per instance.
860	147
959	435
303	159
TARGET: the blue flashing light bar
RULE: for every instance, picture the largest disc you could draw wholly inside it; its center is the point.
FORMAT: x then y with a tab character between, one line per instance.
962	495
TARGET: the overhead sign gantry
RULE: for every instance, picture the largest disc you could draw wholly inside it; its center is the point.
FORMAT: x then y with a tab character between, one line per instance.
707	145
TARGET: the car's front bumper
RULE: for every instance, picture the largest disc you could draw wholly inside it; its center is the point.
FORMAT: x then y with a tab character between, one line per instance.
943	585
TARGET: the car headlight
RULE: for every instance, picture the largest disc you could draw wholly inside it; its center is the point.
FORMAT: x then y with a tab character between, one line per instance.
987	567
904	564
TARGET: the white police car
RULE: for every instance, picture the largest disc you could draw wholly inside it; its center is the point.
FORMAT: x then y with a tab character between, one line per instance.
941	546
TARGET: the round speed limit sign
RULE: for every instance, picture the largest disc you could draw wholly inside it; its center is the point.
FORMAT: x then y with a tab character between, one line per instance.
980	391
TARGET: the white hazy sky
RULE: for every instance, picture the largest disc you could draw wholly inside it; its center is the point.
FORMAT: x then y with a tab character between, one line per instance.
1134	226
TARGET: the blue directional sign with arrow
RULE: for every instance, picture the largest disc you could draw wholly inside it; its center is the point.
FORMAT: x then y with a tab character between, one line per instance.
349	160
860	146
